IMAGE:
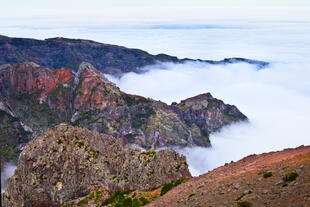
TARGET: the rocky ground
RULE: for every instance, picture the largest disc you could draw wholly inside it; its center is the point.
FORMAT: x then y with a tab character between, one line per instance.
270	179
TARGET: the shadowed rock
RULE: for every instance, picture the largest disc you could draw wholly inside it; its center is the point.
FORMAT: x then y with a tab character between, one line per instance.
69	53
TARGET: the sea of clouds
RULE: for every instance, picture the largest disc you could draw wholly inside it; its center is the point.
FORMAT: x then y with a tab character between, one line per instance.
276	99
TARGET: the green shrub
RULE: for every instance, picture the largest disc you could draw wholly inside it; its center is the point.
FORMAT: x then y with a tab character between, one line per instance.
290	176
80	144
7	153
267	174
168	186
244	204
143	200
59	141
191	195
122	199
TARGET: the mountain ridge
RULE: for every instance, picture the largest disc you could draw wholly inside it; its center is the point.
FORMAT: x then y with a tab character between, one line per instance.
111	59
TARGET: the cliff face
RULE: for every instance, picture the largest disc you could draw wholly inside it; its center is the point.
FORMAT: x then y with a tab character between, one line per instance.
208	113
41	98
69	53
69	162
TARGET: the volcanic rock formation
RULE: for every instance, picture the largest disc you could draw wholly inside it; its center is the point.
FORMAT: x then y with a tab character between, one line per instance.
70	162
41	98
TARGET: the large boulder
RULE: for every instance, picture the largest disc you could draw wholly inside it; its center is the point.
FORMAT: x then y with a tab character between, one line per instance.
66	162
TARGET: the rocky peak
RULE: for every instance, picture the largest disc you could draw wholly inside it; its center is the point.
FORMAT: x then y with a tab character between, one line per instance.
208	113
93	90
87	70
198	102
66	162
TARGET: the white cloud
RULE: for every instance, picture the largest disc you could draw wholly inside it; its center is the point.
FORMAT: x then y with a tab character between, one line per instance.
275	99
8	171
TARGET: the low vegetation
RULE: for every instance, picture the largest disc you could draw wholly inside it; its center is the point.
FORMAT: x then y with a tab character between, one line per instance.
290	176
267	174
244	204
168	186
125	198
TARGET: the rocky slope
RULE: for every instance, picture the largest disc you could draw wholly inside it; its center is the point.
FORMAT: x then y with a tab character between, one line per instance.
12	136
41	98
67	163
56	53
270	179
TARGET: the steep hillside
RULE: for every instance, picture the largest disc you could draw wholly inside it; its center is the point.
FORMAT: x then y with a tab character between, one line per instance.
41	98
68	162
270	179
56	53
12	136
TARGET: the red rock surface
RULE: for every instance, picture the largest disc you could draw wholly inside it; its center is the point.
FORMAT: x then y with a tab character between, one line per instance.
33	79
95	91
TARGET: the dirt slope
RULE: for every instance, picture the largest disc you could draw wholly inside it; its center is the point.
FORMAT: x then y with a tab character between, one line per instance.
256	180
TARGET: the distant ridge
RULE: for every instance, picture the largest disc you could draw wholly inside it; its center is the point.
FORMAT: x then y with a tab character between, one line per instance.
69	53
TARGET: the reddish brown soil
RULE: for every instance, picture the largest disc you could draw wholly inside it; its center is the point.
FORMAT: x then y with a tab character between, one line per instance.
233	183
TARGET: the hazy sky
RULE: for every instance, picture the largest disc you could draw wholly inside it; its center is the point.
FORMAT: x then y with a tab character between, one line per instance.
38	13
82	4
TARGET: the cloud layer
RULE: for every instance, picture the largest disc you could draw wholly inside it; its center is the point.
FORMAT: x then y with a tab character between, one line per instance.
275	99
7	172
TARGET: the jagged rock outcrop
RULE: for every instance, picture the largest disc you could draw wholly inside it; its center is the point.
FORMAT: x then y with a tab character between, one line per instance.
68	162
56	53
42	98
208	113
